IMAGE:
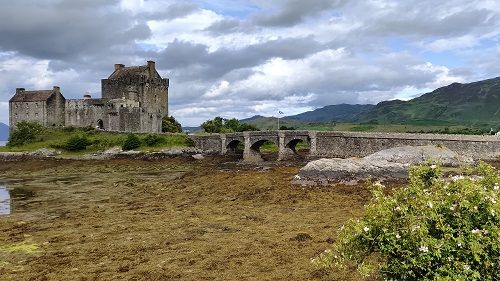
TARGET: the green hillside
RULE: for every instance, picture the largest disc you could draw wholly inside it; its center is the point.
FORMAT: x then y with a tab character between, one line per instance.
475	104
338	113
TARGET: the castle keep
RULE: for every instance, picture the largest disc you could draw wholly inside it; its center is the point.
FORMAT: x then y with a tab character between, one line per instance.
134	99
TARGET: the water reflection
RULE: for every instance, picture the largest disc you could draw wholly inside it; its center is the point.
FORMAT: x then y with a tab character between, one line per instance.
9	195
5	205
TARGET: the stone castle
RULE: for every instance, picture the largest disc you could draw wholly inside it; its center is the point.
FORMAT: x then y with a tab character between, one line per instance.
134	99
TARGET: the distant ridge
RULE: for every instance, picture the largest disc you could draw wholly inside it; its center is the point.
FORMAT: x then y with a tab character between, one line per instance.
475	104
4	132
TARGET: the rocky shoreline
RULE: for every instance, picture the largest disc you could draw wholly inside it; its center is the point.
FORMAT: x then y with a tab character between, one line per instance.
113	153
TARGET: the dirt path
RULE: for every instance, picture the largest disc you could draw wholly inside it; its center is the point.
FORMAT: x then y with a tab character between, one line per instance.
168	220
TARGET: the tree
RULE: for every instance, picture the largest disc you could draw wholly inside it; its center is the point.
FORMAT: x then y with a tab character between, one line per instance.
170	125
221	125
213	126
25	132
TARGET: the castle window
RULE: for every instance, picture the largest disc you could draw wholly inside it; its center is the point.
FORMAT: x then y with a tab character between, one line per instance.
17	105
27	106
36	105
36	114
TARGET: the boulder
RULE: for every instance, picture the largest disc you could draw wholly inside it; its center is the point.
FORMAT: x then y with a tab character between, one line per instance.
414	155
350	170
198	156
383	165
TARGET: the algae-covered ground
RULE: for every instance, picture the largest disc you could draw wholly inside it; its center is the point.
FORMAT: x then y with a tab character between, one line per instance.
173	219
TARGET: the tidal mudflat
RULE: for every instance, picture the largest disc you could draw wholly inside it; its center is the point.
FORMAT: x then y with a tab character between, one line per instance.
172	219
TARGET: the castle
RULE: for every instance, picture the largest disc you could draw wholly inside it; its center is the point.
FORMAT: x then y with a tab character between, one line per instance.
134	99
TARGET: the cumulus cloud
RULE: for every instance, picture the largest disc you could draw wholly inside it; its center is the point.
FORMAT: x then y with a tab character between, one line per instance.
244	57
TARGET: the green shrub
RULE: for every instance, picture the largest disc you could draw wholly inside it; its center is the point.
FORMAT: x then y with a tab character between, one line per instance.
77	143
153	140
131	142
170	125
434	229
26	132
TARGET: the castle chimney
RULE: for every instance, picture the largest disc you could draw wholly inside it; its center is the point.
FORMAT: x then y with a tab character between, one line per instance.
119	66
19	90
152	68
57	89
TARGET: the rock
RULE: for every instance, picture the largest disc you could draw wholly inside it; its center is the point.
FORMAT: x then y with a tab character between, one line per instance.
414	155
45	152
383	165
353	169
113	151
198	156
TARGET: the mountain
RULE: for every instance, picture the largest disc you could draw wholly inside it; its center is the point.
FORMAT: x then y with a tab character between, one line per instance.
476	103
338	113
4	132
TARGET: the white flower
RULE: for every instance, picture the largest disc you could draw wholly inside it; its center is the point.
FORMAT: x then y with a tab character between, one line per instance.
466	267
398	236
342	227
456	178
366	228
415	227
476	231
433	166
424	249
397	208
459	245
429	204
496	187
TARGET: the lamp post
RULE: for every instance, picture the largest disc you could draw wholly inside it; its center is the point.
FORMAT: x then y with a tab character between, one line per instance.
279	112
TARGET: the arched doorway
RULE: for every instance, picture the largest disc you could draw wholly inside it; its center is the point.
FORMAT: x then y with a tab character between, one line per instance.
100	124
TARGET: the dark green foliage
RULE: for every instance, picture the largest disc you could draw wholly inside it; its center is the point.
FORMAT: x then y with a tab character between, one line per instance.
153	140
77	143
25	132
221	125
286	128
170	125
131	142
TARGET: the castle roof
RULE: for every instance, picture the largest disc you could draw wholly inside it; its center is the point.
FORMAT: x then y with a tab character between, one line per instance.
32	96
129	71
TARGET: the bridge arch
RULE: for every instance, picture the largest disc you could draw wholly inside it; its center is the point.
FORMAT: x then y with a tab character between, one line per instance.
298	147
236	148
256	152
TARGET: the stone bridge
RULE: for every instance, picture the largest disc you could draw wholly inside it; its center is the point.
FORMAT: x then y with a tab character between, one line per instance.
342	144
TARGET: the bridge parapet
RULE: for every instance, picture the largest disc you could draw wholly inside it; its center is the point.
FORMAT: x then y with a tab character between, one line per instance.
345	144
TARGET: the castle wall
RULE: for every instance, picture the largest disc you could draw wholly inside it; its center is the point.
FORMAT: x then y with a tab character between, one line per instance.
28	111
80	113
115	116
152	94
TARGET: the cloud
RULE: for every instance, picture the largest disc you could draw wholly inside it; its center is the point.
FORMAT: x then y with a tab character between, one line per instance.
236	58
292	12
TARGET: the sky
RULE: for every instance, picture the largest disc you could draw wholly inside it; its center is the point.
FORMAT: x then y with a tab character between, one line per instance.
239	58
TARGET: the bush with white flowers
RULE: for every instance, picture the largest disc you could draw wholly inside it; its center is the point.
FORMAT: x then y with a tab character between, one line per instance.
435	228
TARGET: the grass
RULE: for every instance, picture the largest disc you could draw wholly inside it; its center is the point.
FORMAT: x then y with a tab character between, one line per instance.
99	141
26	248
